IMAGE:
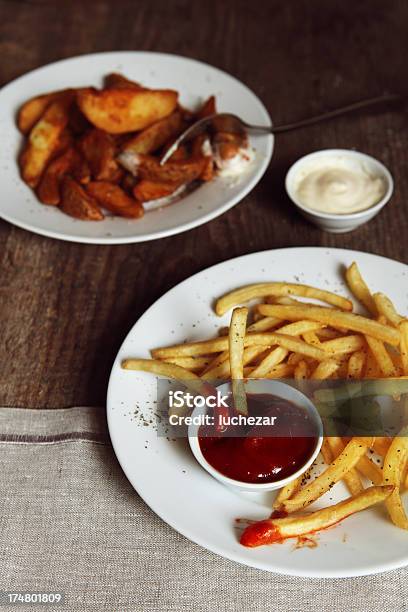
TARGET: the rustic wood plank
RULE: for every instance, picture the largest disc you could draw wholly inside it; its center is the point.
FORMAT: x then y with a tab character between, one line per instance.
66	307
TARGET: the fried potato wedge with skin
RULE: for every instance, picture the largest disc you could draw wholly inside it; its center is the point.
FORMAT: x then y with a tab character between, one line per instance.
393	470
99	150
148	167
32	110
76	202
342	464
156	135
146	190
48	190
208	108
118	111
43	140
115	199
270	531
334	318
250	292
115	80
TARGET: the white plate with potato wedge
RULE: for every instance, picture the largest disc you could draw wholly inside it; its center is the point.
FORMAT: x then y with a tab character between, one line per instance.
163	469
65	127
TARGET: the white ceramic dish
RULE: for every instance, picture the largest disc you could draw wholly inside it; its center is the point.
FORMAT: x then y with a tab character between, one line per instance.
165	473
194	80
334	223
273	387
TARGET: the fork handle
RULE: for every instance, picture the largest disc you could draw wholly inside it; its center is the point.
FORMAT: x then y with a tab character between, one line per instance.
387	98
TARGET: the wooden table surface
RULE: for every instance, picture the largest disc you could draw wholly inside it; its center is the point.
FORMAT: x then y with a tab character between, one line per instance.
65	308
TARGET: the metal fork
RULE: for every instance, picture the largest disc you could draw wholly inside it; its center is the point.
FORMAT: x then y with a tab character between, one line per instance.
232	123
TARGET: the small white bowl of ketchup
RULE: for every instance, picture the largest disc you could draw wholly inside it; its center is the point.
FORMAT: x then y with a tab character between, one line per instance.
258	456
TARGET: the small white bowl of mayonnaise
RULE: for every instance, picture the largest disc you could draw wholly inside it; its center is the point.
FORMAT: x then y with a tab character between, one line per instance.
339	189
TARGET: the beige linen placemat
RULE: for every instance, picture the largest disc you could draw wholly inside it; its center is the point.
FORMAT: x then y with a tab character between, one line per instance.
71	522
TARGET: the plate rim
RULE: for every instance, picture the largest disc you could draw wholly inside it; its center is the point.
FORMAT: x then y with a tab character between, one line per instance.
385	567
202	220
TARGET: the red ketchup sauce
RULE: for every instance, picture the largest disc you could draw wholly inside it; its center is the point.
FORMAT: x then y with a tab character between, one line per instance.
262	453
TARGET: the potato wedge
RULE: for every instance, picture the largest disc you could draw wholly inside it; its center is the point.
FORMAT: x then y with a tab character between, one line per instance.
118	111
115	199
99	150
156	135
208	108
32	110
146	190
115	80
148	167
76	202
44	140
48	190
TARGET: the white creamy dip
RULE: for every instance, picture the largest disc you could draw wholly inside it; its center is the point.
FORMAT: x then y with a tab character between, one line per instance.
335	187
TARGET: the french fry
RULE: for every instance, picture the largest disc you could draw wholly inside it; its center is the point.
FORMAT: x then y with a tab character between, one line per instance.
99	150
404	346
115	199
359	288
32	110
351	479
356	363
287	491
278	354
250	292
194	364
236	339
301	370
342	464
381	356
311	338
334	318
169	370
264	324
270	531
343	345
282	370
386	308
156	135
119	110
43	140
371	471
221	368
394	463
218	345
77	203
325	369
326	452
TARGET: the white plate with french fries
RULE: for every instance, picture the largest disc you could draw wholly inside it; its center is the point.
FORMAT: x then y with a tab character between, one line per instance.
311	314
82	141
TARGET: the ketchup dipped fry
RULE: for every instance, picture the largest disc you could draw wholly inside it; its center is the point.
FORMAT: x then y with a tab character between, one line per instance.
270	531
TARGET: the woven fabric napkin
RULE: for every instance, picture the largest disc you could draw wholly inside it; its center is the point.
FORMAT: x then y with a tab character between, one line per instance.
71	523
